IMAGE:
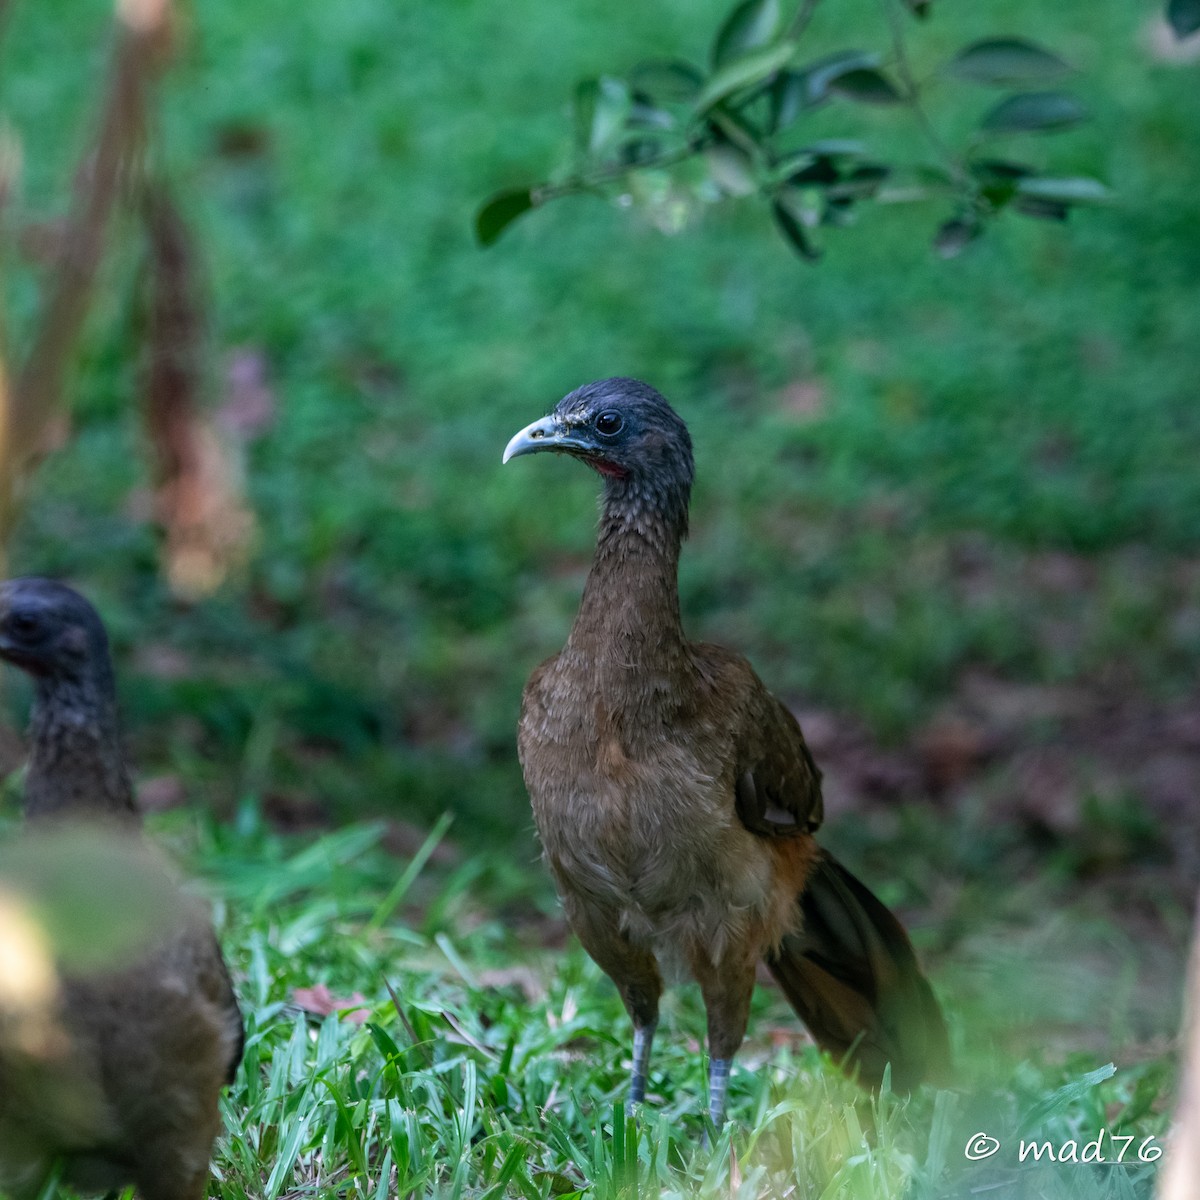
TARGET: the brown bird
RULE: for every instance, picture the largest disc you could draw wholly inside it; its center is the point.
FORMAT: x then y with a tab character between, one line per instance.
675	796
149	1042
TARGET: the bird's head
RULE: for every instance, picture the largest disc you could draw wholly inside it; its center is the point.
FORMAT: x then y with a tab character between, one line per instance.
627	432
51	631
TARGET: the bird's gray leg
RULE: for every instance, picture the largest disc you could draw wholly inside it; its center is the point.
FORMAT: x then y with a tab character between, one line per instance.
718	1086
726	987
643	1038
635	972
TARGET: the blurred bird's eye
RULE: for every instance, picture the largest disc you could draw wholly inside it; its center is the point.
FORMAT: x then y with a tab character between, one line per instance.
609	423
22	623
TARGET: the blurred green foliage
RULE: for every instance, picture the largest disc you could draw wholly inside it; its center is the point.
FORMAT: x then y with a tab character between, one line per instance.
859	427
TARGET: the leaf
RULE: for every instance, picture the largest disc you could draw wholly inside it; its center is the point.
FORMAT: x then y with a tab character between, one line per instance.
743	72
751	24
1074	190
645	114
836	147
667	79
1184	17
918	8
998	179
955	235
1066	1095
606	105
794	231
1047	210
867	85
817	163
817	172
583	112
998	168
727	126
731	169
1034	112
788	98
820	74
1003	61
860	184
500	212
321	1002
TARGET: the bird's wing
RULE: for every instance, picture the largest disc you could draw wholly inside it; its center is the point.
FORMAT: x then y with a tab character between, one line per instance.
777	785
534	708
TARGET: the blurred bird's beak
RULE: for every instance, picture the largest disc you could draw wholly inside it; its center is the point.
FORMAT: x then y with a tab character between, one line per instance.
546	434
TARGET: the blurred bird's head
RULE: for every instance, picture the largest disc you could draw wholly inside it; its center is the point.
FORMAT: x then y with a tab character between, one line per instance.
628	433
51	631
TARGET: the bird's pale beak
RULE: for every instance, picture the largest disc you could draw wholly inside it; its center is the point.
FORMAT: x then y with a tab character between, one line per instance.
545	434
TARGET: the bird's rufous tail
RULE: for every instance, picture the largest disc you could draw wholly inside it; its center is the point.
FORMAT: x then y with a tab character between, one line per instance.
852	975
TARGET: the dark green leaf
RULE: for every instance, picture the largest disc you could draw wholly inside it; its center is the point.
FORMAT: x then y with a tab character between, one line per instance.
817	164
820	74
1047	210
836	148
583	112
640	152
787	98
955	235
728	126
860	184
918	8
1034	112
794	231
667	80
998	179
868	85
751	24
1006	61
838	210
794	91
818	172
1073	190
1184	17
500	212
755	67
998	168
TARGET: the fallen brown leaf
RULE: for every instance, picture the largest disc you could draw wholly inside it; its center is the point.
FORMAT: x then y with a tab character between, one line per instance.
321	1002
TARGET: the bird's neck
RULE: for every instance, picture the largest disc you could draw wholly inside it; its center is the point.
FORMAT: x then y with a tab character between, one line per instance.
628	630
75	762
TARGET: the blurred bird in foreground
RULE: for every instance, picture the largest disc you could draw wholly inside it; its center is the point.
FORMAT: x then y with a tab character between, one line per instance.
675	796
119	1026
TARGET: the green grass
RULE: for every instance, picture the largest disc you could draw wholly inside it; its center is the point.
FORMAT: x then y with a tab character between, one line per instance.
480	1056
490	1066
465	1085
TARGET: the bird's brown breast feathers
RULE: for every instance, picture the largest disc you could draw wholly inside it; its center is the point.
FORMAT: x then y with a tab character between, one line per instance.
639	817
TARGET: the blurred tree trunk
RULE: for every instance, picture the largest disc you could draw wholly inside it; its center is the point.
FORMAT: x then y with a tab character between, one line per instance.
1180	1178
206	529
33	396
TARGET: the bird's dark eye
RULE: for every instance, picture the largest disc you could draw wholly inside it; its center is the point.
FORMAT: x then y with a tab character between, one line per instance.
609	423
22	623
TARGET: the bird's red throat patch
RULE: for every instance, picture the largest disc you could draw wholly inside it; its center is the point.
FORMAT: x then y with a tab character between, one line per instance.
610	469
